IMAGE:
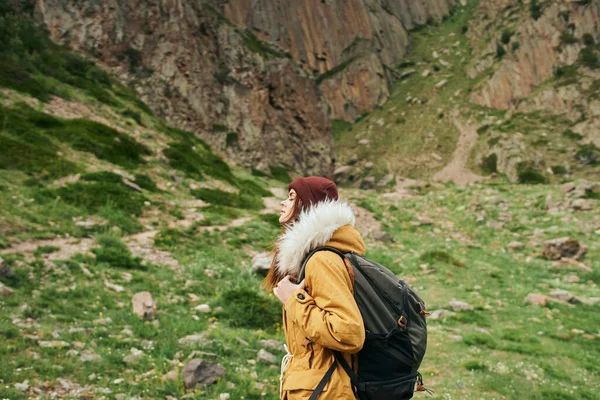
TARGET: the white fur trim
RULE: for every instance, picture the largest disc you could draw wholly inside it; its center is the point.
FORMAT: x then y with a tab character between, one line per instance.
314	228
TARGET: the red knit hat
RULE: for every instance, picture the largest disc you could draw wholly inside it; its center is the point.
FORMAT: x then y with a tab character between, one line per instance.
314	189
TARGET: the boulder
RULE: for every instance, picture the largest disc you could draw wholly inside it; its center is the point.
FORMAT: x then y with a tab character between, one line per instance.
383	236
144	306
343	170
515	246
567	187
537	299
458	305
199	373
564	247
441	314
5	270
272	344
266	357
133	356
261	263
198	339
368	183
5	291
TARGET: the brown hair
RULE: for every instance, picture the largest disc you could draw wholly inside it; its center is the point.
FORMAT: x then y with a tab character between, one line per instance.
273	277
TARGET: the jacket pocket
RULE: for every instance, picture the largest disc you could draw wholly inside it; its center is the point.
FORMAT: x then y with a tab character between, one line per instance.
304	380
395	389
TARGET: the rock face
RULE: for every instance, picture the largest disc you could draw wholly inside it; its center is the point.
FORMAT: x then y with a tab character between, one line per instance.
258	80
554	41
205	75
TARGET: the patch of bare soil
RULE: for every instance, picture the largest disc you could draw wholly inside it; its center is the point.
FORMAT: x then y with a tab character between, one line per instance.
457	170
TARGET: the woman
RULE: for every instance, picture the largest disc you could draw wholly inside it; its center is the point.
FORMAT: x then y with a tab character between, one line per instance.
319	313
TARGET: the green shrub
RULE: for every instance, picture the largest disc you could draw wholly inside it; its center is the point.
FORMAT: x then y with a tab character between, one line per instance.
483	129
114	252
531	176
145	182
280	173
589	58
219	128
588	154
104	142
572	135
500	52
558	170
45	250
506	35
490	164
242	199
135	115
568	38
197	160
232	140
515	46
588	39
95	195
474	365
245	308
535	9
339	126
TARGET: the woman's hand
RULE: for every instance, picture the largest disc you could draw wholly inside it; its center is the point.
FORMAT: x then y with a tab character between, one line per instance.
285	288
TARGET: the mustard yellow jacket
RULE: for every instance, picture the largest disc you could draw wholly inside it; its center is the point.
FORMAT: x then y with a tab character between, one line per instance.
324	316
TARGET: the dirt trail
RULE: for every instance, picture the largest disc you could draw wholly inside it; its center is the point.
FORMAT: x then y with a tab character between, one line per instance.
457	170
141	244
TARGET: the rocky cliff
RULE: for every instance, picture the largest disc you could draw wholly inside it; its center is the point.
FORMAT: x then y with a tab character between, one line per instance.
258	80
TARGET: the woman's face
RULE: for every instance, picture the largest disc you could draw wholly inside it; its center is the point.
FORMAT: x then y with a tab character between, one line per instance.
287	207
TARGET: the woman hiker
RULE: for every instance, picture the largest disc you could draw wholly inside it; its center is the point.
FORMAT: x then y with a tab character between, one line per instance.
320	314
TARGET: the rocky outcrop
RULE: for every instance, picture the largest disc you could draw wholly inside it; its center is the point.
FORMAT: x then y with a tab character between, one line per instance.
258	80
542	46
349	42
203	74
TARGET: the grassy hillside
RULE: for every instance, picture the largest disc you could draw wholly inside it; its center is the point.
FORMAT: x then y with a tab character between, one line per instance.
100	199
415	133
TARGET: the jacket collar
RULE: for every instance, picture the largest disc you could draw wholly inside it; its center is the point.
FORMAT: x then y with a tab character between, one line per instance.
314	228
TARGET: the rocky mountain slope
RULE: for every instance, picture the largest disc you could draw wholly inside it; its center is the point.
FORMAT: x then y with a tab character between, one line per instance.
257	80
524	76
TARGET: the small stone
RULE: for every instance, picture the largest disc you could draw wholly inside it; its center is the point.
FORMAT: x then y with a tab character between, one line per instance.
203	308
437	156
5	270
5	291
564	247
562	295
343	170
441	84
368	183
369	165
54	344
23	386
170	376
272	344
198	339
143	306
224	396
132	185
261	263
260	386
572	278
515	246
134	356
113	286
567	187
211	273
423	220
426	73
495	224
440	314
537	299
266	357
242	341
382	236
198	373
458	305
363	142
89	355
385	180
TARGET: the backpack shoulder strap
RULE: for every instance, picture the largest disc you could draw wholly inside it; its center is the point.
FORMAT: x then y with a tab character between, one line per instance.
302	273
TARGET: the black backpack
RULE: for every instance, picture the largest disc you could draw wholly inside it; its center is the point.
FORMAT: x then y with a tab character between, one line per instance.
396	333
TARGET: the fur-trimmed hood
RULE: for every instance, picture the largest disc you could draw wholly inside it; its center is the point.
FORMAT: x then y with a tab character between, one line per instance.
318	226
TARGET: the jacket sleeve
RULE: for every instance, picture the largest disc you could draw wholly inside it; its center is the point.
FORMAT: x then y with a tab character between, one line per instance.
328	316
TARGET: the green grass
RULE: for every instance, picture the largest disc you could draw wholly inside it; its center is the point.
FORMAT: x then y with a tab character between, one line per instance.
115	253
